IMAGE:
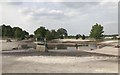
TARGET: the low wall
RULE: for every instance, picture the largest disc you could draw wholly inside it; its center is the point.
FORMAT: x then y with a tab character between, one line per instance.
40	48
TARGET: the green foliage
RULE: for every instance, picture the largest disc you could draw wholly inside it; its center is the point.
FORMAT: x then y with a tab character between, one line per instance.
71	36
48	36
96	31
16	32
77	36
19	33
62	32
61	37
83	36
24	34
31	36
40	33
51	35
7	31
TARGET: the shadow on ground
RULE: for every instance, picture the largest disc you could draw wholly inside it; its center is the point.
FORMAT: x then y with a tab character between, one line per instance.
50	53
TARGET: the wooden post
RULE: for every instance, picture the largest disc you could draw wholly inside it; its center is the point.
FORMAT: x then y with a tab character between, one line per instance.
45	43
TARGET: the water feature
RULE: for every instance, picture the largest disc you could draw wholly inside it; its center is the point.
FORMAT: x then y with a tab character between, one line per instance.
72	48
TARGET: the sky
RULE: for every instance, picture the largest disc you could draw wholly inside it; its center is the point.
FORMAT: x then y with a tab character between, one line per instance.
75	17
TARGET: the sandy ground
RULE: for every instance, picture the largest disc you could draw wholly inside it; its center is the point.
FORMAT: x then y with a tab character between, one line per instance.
85	63
26	61
105	50
10	45
54	64
72	40
110	41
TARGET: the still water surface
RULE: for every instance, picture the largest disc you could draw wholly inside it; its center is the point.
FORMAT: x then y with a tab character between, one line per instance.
72	48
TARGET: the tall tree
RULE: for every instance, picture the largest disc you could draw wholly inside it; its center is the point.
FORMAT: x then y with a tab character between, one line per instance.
14	29
62	32
96	31
18	33
7	31
48	36
25	34
15	32
51	35
40	33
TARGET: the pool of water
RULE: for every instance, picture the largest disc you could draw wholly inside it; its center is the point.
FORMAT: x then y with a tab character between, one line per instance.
72	48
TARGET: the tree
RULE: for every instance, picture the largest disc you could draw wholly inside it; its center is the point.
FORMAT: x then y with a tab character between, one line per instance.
3	28
31	36
25	34
96	31
40	33
15	32
62	32
7	31
51	35
71	36
18	33
77	36
83	36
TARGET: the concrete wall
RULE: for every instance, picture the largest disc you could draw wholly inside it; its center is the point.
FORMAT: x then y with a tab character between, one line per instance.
40	48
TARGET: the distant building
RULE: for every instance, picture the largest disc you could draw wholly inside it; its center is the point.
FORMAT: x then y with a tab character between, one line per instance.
116	36
109	37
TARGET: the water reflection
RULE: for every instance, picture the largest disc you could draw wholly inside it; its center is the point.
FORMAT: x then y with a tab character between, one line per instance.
72	48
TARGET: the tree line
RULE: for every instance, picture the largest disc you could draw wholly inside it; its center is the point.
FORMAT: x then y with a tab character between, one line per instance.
15	32
6	31
42	33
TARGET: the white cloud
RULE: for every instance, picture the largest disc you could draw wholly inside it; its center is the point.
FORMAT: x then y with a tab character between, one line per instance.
71	14
48	13
59	0
75	17
55	11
